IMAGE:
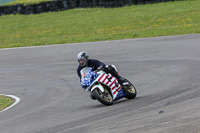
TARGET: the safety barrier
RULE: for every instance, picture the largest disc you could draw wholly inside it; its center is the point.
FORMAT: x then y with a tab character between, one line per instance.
59	5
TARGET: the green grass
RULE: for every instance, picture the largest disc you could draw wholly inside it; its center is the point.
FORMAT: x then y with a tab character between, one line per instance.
25	2
5	102
98	24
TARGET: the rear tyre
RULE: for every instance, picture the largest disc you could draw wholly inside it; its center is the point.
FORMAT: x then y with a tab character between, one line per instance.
129	89
103	97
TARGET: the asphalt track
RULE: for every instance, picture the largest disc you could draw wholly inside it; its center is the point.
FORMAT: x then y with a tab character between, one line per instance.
165	71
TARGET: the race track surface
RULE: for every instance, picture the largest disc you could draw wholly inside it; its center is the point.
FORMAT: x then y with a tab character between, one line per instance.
165	71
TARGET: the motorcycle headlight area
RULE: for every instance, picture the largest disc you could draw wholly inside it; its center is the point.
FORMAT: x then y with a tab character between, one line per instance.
85	82
88	79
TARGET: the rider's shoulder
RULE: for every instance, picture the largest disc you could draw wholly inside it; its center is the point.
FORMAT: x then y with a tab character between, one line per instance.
93	60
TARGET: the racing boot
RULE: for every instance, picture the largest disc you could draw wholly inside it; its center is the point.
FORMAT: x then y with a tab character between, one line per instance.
110	69
118	77
120	80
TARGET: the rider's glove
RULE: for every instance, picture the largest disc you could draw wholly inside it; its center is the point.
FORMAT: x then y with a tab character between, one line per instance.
100	68
107	69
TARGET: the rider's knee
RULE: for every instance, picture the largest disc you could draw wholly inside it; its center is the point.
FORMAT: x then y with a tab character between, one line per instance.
110	68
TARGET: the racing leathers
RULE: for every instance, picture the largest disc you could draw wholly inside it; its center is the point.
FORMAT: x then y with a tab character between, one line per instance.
95	64
90	63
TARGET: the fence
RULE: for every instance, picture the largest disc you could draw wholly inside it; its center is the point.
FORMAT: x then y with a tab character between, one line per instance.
59	5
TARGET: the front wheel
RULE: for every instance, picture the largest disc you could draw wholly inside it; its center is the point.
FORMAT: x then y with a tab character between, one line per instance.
103	97
130	89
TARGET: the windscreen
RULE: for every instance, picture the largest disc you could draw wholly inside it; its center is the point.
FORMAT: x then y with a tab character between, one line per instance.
84	71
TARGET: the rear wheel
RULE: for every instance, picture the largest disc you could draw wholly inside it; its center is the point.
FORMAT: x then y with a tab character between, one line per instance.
130	89
103	97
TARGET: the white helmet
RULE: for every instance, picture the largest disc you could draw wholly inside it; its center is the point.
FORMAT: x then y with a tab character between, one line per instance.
82	58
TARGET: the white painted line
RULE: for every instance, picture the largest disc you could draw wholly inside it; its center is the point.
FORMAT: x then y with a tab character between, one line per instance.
17	100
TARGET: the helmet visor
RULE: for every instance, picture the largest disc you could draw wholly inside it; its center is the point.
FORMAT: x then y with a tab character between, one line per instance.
82	62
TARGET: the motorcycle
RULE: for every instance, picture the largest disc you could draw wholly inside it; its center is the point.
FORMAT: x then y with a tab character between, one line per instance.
104	87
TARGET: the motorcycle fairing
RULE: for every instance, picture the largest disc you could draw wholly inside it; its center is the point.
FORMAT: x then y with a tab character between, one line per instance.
90	78
120	94
111	82
87	78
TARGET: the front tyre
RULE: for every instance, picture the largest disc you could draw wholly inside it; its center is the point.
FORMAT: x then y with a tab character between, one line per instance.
103	97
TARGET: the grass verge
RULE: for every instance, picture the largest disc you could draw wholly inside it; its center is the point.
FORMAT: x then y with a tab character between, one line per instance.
25	2
98	24
5	102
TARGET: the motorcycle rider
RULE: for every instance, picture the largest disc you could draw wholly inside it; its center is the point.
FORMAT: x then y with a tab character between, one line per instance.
84	61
